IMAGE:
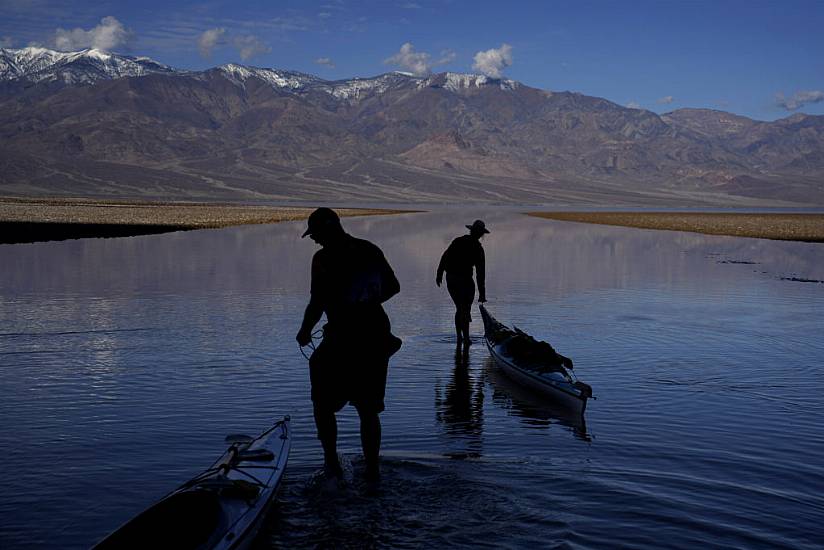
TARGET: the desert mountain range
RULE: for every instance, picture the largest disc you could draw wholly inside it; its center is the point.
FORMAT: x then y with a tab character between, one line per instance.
100	125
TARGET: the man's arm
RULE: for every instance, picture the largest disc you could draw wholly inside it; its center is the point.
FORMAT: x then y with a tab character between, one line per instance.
313	313
389	282
314	310
442	266
480	271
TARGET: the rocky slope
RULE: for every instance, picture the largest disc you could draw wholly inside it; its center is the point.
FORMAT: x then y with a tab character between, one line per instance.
121	126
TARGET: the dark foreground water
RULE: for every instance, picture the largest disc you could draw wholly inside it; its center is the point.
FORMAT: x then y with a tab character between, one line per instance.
124	362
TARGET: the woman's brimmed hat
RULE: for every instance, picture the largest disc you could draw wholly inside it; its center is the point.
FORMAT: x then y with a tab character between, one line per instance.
478	226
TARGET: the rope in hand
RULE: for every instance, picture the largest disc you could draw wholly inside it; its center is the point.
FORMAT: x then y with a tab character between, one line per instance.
317	335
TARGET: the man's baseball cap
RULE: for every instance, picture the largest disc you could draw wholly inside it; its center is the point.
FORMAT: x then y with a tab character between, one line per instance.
321	218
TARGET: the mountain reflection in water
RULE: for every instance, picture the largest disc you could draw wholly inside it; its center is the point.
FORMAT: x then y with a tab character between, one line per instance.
125	362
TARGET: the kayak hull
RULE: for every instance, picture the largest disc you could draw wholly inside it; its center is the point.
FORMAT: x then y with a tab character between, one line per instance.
222	508
556	392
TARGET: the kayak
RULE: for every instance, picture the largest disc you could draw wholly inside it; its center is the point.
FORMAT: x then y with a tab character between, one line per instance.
535	364
221	508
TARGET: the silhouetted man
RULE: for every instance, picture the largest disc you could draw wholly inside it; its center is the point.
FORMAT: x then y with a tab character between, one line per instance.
350	280
457	261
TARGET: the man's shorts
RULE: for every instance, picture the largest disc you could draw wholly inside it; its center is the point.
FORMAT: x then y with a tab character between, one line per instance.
344	372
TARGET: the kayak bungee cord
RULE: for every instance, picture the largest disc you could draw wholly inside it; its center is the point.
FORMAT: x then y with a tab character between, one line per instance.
317	335
232	463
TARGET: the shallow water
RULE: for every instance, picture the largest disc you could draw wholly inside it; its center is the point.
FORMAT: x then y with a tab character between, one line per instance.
124	362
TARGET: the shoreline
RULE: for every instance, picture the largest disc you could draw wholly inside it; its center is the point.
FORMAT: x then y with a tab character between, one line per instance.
775	226
50	219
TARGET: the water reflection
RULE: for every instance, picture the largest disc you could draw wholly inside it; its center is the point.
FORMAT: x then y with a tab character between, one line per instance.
134	357
533	410
459	406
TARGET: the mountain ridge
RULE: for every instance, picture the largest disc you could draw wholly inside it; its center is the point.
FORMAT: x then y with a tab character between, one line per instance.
254	133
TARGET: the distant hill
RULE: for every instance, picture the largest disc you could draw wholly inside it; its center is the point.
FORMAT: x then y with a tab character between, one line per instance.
91	123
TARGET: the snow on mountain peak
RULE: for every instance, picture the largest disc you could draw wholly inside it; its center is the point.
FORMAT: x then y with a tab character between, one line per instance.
355	88
456	82
352	89
96	54
239	74
38	64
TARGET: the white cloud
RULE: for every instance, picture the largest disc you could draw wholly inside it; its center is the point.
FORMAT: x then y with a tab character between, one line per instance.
325	61
6	42
633	105
411	6
249	45
666	100
492	62
798	99
419	63
210	39
447	56
324	15
407	58
109	34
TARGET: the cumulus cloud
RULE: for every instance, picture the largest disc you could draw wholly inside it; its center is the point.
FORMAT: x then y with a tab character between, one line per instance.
447	56
633	105
109	34
415	62
248	46
666	100
6	42
798	99
492	62
326	62
209	40
419	63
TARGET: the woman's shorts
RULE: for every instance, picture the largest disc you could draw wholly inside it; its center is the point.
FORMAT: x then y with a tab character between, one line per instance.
461	291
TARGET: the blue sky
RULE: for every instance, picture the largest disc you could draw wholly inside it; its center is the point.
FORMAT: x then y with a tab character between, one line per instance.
659	55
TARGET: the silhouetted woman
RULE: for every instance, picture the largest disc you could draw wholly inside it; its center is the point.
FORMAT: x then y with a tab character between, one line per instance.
457	261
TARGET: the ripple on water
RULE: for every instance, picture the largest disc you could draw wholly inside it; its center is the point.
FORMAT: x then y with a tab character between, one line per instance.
126	361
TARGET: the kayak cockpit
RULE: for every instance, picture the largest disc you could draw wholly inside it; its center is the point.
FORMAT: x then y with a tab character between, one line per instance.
184	520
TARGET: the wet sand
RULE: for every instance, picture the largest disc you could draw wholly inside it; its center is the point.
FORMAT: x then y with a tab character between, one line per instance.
32	220
779	226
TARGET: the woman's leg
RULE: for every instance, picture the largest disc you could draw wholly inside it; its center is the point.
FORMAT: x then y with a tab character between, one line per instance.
462	293
465	318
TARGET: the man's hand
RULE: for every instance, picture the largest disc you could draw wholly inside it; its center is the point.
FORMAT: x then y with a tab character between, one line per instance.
438	280
481	299
304	337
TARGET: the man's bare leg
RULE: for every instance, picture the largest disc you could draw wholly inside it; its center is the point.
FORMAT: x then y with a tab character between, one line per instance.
370	432
327	426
